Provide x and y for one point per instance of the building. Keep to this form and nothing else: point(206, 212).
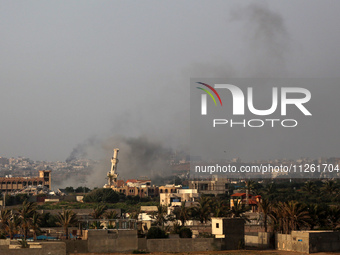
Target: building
point(229, 229)
point(179, 196)
point(132, 187)
point(241, 198)
point(11, 184)
point(214, 186)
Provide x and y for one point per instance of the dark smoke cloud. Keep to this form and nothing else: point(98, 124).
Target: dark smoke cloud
point(138, 157)
point(267, 40)
point(266, 43)
point(82, 149)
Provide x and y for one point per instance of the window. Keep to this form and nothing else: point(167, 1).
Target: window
point(217, 225)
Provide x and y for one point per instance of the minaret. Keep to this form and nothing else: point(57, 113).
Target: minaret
point(112, 175)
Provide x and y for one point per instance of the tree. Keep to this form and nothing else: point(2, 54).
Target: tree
point(265, 207)
point(182, 213)
point(220, 209)
point(333, 216)
point(102, 195)
point(25, 213)
point(238, 210)
point(330, 187)
point(250, 185)
point(309, 187)
point(98, 213)
point(111, 215)
point(134, 214)
point(290, 216)
point(202, 211)
point(13, 224)
point(82, 190)
point(298, 215)
point(36, 217)
point(4, 219)
point(69, 190)
point(317, 215)
point(160, 216)
point(65, 219)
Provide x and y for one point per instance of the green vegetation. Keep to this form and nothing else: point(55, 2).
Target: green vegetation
point(155, 233)
point(65, 219)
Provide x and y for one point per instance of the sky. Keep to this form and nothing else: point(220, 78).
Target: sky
point(76, 71)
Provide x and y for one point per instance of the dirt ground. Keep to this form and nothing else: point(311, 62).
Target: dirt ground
point(236, 252)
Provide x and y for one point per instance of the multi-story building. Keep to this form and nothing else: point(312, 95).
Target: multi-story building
point(214, 186)
point(19, 183)
point(176, 198)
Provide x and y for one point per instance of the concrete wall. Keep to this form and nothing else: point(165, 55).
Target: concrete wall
point(76, 246)
point(181, 245)
point(259, 239)
point(324, 242)
point(298, 243)
point(102, 241)
point(52, 248)
point(309, 241)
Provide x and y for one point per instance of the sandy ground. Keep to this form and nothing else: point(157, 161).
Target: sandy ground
point(236, 252)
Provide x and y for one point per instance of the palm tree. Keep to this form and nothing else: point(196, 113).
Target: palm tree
point(160, 216)
point(203, 210)
point(25, 213)
point(270, 189)
point(134, 214)
point(182, 213)
point(330, 187)
point(111, 215)
point(317, 215)
point(333, 216)
point(36, 219)
point(65, 219)
point(238, 210)
point(4, 219)
point(266, 208)
point(250, 185)
point(309, 187)
point(98, 213)
point(290, 216)
point(13, 224)
point(220, 209)
point(278, 216)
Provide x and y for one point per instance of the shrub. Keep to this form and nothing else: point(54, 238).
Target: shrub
point(102, 195)
point(155, 233)
point(185, 233)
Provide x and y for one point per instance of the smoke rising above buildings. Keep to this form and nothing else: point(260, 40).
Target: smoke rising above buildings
point(145, 136)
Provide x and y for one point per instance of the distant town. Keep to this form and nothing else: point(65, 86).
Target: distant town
point(139, 214)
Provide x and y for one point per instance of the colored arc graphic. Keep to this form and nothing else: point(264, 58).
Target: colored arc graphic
point(208, 92)
point(204, 84)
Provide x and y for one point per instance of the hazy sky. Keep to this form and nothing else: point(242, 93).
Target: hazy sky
point(73, 70)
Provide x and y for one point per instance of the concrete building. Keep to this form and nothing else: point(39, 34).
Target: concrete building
point(214, 186)
point(181, 195)
point(131, 187)
point(309, 241)
point(241, 198)
point(229, 229)
point(19, 183)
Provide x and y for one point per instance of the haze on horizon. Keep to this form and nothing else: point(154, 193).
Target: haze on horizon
point(74, 71)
